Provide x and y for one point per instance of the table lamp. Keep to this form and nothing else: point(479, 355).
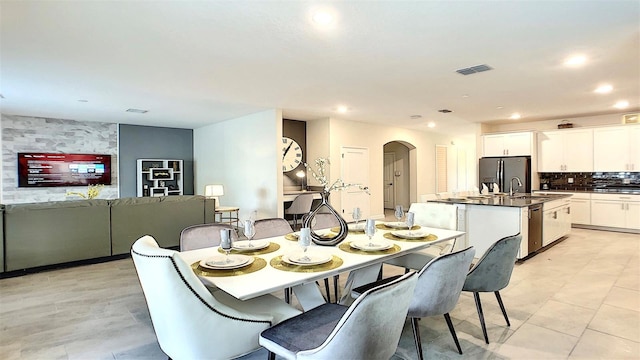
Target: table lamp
point(213, 191)
point(301, 175)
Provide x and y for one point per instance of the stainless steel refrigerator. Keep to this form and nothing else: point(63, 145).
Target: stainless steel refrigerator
point(501, 170)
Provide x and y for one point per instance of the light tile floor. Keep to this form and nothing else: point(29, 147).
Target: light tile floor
point(580, 299)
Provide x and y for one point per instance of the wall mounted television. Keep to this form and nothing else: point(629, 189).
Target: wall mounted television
point(54, 169)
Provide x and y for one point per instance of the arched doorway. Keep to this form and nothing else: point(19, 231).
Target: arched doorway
point(399, 174)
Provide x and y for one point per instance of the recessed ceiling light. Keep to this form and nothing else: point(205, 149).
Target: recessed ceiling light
point(342, 109)
point(322, 17)
point(622, 104)
point(500, 107)
point(137, 111)
point(576, 60)
point(431, 124)
point(515, 116)
point(603, 89)
point(465, 96)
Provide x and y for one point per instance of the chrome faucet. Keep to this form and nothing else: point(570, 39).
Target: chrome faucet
point(511, 192)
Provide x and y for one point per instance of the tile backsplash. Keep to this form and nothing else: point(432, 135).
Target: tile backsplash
point(590, 181)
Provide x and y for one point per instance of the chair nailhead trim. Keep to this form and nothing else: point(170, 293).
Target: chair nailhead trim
point(184, 281)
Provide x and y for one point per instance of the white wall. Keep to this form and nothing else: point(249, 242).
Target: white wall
point(373, 137)
point(243, 155)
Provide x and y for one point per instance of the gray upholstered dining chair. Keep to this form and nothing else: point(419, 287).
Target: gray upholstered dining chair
point(430, 214)
point(324, 221)
point(492, 273)
point(299, 206)
point(193, 322)
point(437, 291)
point(202, 236)
point(320, 221)
point(369, 328)
point(266, 228)
point(270, 227)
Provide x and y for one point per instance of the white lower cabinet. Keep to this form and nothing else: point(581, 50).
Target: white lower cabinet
point(556, 220)
point(581, 208)
point(615, 210)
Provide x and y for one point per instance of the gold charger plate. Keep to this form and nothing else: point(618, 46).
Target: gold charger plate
point(280, 264)
point(385, 227)
point(257, 264)
point(353, 231)
point(269, 249)
point(429, 237)
point(346, 247)
point(294, 236)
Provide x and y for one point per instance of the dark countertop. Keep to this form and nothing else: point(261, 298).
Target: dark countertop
point(518, 200)
point(628, 190)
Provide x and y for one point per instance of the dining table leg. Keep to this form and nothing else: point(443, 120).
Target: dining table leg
point(357, 278)
point(309, 296)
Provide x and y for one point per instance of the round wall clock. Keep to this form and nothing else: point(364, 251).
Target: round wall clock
point(291, 154)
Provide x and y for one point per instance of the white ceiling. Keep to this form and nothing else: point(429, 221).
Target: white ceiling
point(192, 63)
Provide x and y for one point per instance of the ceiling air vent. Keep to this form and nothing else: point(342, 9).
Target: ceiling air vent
point(445, 111)
point(474, 69)
point(137, 111)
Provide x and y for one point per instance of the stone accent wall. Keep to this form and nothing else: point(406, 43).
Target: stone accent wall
point(31, 134)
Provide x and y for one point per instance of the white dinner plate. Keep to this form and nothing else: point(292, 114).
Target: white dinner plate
point(396, 225)
point(354, 227)
point(255, 245)
point(314, 259)
point(220, 262)
point(410, 234)
point(366, 245)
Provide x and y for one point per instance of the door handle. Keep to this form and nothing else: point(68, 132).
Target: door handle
point(390, 184)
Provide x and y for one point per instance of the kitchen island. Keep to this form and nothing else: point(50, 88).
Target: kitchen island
point(541, 219)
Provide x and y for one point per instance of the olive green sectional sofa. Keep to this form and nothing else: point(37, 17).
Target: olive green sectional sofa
point(49, 233)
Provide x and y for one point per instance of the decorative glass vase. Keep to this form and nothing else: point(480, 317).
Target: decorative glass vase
point(323, 240)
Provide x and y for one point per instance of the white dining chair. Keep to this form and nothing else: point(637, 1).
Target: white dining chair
point(430, 214)
point(189, 320)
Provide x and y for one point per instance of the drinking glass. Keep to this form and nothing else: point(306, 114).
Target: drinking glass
point(249, 231)
point(370, 230)
point(357, 215)
point(226, 243)
point(304, 240)
point(399, 212)
point(409, 220)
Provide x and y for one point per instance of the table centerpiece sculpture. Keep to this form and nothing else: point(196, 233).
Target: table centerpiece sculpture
point(327, 187)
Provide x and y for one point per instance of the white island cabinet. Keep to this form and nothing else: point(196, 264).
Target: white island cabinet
point(488, 224)
point(556, 220)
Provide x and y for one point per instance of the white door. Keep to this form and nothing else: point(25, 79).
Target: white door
point(389, 187)
point(355, 170)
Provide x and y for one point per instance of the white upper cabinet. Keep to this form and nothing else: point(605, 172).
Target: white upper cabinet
point(565, 151)
point(512, 144)
point(616, 148)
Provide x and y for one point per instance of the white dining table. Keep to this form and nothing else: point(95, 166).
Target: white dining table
point(362, 268)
